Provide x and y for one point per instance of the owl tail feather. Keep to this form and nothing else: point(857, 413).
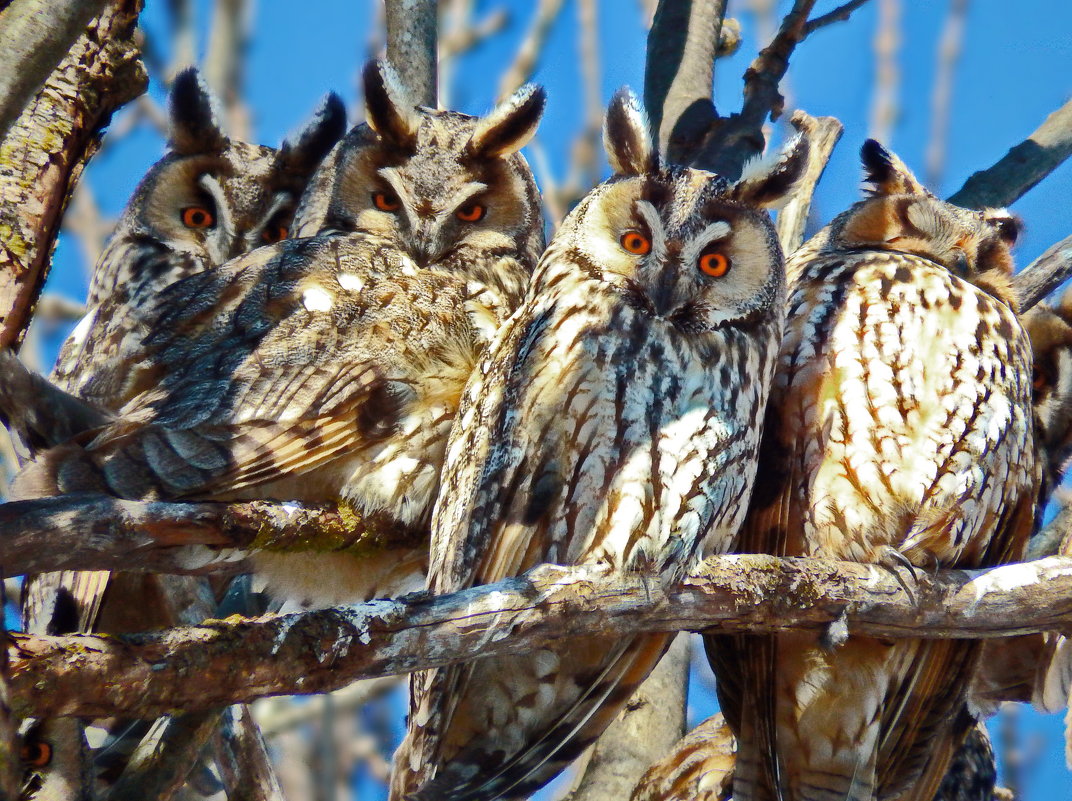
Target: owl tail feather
point(38, 414)
point(559, 742)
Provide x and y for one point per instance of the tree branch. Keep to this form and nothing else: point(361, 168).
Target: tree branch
point(679, 74)
point(224, 662)
point(44, 151)
point(1022, 167)
point(34, 36)
point(411, 47)
point(99, 532)
point(1044, 274)
point(839, 14)
point(823, 134)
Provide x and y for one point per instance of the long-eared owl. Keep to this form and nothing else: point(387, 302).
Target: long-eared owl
point(209, 199)
point(615, 421)
point(330, 367)
point(899, 432)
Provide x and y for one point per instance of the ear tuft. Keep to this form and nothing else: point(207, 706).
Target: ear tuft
point(388, 108)
point(194, 117)
point(886, 173)
point(1007, 225)
point(511, 124)
point(627, 136)
point(304, 150)
point(768, 181)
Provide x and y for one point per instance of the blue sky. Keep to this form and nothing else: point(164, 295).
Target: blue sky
point(1014, 70)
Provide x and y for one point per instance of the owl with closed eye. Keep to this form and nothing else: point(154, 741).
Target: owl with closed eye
point(900, 433)
point(614, 422)
point(329, 367)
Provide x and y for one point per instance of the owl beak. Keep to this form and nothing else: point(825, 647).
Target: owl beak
point(427, 248)
point(663, 295)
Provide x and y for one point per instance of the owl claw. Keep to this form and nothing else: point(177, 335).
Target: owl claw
point(891, 559)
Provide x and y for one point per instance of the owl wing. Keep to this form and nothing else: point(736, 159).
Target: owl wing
point(264, 369)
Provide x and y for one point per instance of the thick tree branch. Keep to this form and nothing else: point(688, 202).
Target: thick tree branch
point(680, 71)
point(224, 662)
point(1044, 274)
point(99, 532)
point(44, 151)
point(1022, 167)
point(34, 36)
point(411, 46)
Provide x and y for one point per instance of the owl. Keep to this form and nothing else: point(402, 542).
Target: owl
point(329, 368)
point(209, 199)
point(899, 432)
point(614, 421)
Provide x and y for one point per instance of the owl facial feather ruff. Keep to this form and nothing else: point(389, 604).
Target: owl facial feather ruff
point(613, 421)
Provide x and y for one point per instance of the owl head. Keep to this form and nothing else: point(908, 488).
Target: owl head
point(211, 198)
point(1050, 331)
point(449, 190)
point(900, 215)
point(681, 244)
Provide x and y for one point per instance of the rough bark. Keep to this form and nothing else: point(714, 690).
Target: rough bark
point(245, 768)
point(45, 150)
point(411, 47)
point(223, 662)
point(34, 36)
point(99, 532)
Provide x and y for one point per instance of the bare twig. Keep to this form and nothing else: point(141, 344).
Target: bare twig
point(411, 46)
point(823, 134)
point(1022, 167)
point(98, 532)
point(887, 42)
point(225, 62)
point(35, 35)
point(224, 662)
point(532, 46)
point(43, 154)
point(839, 14)
point(949, 47)
point(1044, 274)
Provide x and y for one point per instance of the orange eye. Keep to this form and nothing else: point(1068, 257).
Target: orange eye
point(385, 202)
point(474, 212)
point(714, 264)
point(635, 242)
point(274, 233)
point(1038, 380)
point(198, 217)
point(36, 755)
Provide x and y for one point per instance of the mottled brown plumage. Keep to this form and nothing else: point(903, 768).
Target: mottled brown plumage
point(900, 431)
point(246, 195)
point(330, 367)
point(699, 768)
point(613, 422)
